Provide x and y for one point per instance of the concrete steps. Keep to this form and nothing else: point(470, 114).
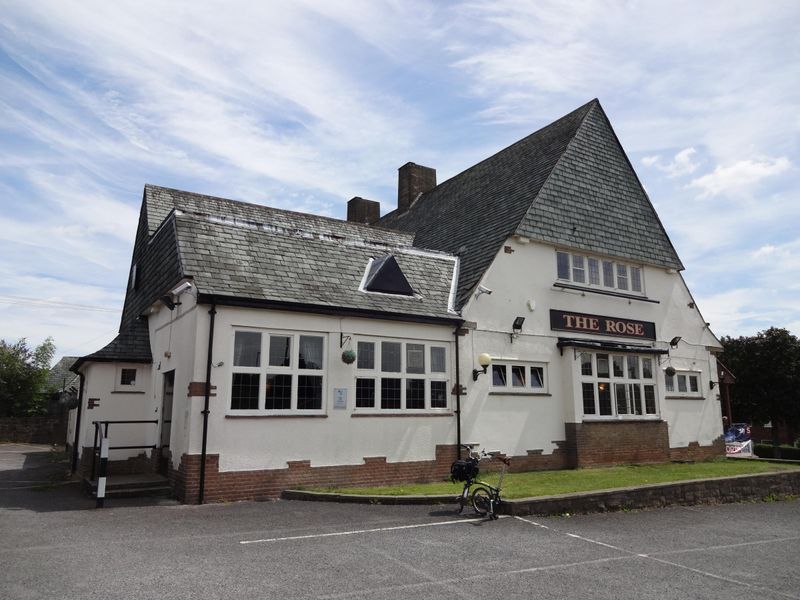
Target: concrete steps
point(132, 486)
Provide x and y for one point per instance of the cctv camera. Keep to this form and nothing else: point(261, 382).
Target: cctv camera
point(482, 290)
point(182, 288)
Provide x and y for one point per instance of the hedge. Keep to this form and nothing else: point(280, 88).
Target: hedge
point(767, 451)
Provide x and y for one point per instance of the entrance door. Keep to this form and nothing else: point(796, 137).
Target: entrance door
point(166, 421)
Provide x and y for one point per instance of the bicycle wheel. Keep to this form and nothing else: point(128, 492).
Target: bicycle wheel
point(482, 501)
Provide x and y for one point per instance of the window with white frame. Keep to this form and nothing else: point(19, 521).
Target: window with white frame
point(591, 271)
point(401, 376)
point(519, 377)
point(683, 383)
point(617, 385)
point(277, 372)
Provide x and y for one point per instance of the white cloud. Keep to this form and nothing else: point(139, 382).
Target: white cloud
point(731, 179)
point(681, 164)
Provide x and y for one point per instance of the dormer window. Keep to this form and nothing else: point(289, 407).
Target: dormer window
point(385, 276)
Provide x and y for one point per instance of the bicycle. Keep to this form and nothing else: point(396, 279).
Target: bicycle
point(485, 498)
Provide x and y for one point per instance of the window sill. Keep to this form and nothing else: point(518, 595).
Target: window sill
point(356, 415)
point(291, 416)
point(624, 419)
point(580, 288)
point(683, 397)
point(499, 393)
point(128, 392)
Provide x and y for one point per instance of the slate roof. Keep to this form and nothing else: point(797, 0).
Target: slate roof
point(257, 261)
point(571, 174)
point(132, 344)
point(60, 377)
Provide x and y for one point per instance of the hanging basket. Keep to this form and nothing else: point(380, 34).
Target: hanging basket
point(348, 357)
point(669, 371)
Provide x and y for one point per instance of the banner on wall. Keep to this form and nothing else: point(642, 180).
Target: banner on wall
point(744, 449)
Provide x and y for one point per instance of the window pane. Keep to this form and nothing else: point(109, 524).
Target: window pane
point(588, 398)
point(650, 399)
point(127, 377)
point(681, 383)
point(562, 262)
point(608, 273)
point(499, 375)
point(669, 383)
point(586, 363)
point(390, 392)
point(390, 357)
point(366, 355)
point(438, 394)
point(280, 348)
point(602, 365)
point(310, 352)
point(637, 398)
point(247, 349)
point(621, 391)
point(518, 375)
point(619, 370)
point(365, 393)
point(604, 397)
point(636, 279)
point(647, 368)
point(244, 391)
point(415, 393)
point(438, 359)
point(633, 366)
point(537, 378)
point(594, 271)
point(309, 392)
point(622, 276)
point(279, 392)
point(578, 271)
point(693, 386)
point(415, 358)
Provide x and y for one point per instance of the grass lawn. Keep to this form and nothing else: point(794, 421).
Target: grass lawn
point(548, 483)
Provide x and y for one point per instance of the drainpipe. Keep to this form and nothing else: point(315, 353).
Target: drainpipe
point(212, 313)
point(78, 424)
point(458, 396)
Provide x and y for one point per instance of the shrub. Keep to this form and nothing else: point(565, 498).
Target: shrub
point(767, 451)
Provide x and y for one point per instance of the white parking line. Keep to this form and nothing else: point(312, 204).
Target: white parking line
point(654, 556)
point(359, 531)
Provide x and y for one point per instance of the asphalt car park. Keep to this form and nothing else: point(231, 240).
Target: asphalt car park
point(56, 546)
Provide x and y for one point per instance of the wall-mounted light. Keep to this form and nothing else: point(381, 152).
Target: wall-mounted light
point(675, 341)
point(484, 360)
point(690, 305)
point(167, 301)
point(711, 384)
point(516, 327)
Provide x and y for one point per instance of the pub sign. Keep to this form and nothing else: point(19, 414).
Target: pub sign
point(601, 325)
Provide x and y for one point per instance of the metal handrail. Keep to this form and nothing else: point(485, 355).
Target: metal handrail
point(98, 425)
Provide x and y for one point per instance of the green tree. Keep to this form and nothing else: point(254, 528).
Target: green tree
point(23, 377)
point(767, 370)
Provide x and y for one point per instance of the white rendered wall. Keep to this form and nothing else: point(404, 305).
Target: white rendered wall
point(522, 285)
point(101, 382)
point(337, 438)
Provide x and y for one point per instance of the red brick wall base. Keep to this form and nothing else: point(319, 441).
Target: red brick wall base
point(618, 442)
point(695, 452)
point(141, 463)
point(226, 486)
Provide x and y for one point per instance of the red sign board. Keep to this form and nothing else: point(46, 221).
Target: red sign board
point(601, 325)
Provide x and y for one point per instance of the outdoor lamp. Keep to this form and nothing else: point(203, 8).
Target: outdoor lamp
point(516, 327)
point(675, 341)
point(484, 360)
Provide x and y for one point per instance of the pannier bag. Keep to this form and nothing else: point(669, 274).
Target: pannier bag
point(463, 470)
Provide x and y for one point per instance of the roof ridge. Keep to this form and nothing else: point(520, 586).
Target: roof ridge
point(272, 208)
point(519, 142)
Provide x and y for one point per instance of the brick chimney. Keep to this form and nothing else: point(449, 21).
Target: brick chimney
point(413, 180)
point(361, 210)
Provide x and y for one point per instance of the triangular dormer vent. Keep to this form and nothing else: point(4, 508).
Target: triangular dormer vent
point(386, 276)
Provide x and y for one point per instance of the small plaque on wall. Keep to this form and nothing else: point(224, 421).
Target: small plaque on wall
point(340, 398)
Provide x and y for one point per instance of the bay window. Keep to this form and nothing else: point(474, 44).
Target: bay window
point(617, 385)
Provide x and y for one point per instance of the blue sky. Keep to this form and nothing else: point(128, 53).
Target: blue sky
point(304, 105)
